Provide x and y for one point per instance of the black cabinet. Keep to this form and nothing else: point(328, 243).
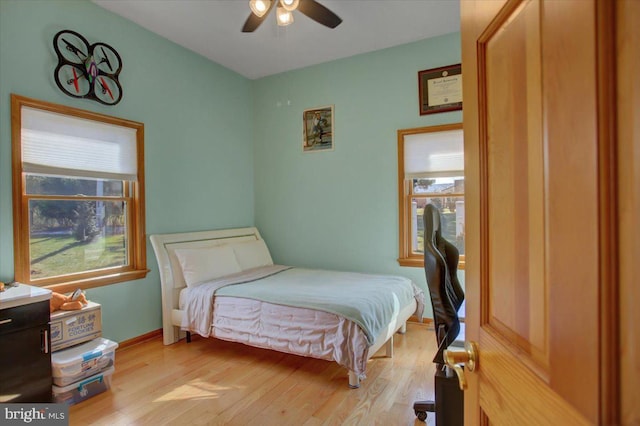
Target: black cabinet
point(25, 356)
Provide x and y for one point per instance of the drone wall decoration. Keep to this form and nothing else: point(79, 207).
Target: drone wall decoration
point(87, 71)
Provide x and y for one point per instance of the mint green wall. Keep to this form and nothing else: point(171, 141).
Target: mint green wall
point(339, 209)
point(198, 144)
point(218, 144)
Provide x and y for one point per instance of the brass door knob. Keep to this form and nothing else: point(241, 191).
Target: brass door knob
point(456, 358)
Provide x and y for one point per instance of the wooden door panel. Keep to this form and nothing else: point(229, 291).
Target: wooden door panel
point(628, 40)
point(573, 201)
point(515, 181)
point(528, 400)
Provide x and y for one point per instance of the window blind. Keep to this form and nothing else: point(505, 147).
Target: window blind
point(431, 155)
point(62, 145)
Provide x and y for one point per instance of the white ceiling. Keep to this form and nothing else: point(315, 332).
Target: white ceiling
point(212, 28)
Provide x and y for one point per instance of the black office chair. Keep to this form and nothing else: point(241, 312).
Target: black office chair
point(441, 268)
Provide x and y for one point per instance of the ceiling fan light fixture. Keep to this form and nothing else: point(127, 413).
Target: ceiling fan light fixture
point(290, 5)
point(284, 16)
point(259, 7)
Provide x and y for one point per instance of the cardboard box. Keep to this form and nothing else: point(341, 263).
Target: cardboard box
point(69, 328)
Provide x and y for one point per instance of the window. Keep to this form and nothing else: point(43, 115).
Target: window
point(430, 170)
point(78, 196)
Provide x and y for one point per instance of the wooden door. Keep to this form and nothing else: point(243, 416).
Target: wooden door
point(540, 200)
point(627, 54)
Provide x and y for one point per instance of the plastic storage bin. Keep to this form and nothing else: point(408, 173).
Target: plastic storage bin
point(78, 362)
point(78, 392)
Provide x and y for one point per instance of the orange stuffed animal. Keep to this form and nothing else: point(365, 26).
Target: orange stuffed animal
point(75, 301)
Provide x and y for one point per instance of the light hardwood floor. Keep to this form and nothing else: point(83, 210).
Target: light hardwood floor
point(213, 382)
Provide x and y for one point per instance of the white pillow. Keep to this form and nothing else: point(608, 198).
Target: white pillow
point(252, 254)
point(204, 264)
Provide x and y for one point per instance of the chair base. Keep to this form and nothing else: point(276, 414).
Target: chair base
point(449, 403)
point(421, 408)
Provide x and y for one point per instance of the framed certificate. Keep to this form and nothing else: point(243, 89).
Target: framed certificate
point(440, 89)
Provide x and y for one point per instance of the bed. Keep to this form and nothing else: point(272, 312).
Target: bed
point(224, 284)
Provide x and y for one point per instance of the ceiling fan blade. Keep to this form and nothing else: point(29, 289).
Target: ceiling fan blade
point(254, 21)
point(319, 13)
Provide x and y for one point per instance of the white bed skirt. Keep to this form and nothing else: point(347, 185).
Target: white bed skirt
point(301, 331)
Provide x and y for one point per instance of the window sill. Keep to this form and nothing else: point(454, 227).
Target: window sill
point(418, 262)
point(411, 262)
point(97, 281)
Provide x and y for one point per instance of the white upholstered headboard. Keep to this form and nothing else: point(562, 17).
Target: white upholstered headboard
point(171, 279)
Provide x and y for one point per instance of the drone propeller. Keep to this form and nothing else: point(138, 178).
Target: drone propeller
point(74, 49)
point(74, 80)
point(105, 59)
point(254, 21)
point(319, 13)
point(105, 88)
point(311, 8)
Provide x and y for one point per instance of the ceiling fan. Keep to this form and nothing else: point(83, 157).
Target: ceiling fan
point(314, 10)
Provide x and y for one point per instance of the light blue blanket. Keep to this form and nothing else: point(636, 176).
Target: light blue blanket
point(371, 301)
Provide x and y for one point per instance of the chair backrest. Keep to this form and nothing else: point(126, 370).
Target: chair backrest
point(441, 269)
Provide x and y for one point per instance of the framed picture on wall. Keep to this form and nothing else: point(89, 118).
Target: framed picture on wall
point(440, 89)
point(317, 125)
